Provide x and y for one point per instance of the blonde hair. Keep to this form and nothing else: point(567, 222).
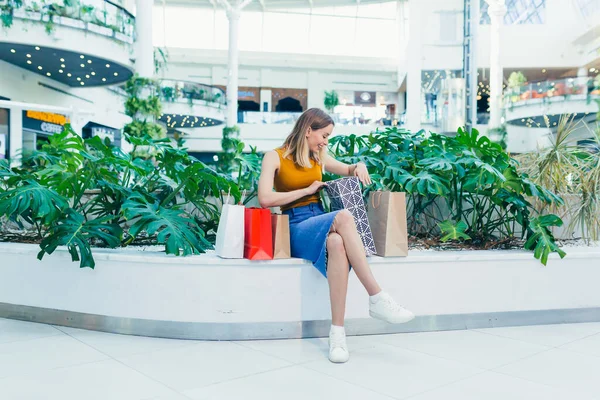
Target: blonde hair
point(295, 144)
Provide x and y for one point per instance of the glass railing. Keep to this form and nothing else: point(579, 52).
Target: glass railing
point(182, 91)
point(99, 16)
point(275, 117)
point(583, 86)
point(259, 117)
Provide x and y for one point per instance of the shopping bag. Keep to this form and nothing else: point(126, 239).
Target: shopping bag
point(387, 218)
point(230, 232)
point(345, 193)
point(280, 224)
point(258, 241)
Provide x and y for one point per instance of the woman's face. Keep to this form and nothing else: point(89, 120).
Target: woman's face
point(317, 139)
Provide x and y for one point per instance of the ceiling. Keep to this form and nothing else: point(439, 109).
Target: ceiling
point(67, 67)
point(259, 5)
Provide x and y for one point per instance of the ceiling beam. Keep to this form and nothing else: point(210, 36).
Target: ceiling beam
point(225, 4)
point(244, 4)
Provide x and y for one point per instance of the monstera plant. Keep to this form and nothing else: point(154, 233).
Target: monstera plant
point(463, 188)
point(82, 193)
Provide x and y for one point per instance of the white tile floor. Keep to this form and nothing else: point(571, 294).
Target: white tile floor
point(554, 362)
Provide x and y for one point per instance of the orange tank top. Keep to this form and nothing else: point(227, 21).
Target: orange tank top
point(291, 176)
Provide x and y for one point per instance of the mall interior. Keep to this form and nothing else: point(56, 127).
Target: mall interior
point(389, 63)
point(141, 326)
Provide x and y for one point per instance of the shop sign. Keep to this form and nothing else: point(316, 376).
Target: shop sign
point(43, 122)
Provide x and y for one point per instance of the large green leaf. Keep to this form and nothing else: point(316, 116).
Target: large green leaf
point(541, 240)
point(175, 228)
point(76, 233)
point(31, 201)
point(453, 231)
point(426, 183)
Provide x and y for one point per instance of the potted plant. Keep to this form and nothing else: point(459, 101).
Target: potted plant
point(515, 80)
point(331, 100)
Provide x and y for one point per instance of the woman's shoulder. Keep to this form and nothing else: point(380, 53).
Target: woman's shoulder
point(272, 156)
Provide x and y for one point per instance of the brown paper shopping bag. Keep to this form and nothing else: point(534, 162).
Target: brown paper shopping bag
point(387, 217)
point(281, 236)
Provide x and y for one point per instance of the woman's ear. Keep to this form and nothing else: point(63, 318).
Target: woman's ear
point(308, 131)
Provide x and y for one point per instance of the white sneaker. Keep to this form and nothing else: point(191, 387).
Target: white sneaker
point(338, 350)
point(386, 309)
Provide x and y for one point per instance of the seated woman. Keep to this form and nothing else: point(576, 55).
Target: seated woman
point(329, 240)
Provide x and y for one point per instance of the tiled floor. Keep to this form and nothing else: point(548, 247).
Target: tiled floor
point(42, 362)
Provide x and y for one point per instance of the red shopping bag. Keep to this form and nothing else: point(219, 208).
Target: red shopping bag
point(258, 235)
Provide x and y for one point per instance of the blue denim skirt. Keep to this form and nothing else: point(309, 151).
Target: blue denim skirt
point(309, 228)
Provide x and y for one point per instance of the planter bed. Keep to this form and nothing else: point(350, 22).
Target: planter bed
point(142, 291)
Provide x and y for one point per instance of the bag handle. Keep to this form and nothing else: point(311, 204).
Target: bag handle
point(380, 193)
point(242, 198)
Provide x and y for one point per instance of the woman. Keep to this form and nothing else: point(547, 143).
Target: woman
point(329, 240)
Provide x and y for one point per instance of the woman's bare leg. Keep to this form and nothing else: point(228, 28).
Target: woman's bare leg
point(337, 276)
point(345, 226)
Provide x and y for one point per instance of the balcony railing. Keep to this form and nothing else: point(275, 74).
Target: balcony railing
point(267, 117)
point(182, 91)
point(99, 16)
point(581, 86)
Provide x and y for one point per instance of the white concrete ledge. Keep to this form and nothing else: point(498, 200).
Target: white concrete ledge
point(205, 297)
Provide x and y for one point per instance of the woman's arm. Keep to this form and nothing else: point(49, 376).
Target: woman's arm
point(339, 168)
point(266, 196)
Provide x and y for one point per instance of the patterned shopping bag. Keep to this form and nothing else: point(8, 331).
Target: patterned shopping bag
point(345, 193)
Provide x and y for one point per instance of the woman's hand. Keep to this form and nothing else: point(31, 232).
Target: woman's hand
point(315, 187)
point(362, 173)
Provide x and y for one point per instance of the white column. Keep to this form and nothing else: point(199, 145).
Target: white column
point(413, 67)
point(16, 135)
point(496, 11)
point(144, 62)
point(233, 15)
point(401, 22)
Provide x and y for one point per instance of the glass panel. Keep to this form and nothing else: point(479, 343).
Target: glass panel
point(518, 12)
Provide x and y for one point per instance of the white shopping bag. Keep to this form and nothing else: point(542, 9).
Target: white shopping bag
point(230, 233)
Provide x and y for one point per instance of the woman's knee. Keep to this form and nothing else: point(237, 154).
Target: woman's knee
point(335, 244)
point(343, 220)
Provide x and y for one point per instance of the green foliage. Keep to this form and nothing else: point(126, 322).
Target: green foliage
point(229, 145)
point(150, 106)
point(466, 178)
point(144, 107)
point(76, 233)
point(70, 9)
point(454, 231)
point(84, 193)
point(571, 171)
point(516, 79)
point(331, 100)
point(540, 238)
point(161, 57)
point(6, 12)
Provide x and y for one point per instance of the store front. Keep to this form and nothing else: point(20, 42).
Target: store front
point(93, 129)
point(38, 126)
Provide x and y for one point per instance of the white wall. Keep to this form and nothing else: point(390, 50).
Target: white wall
point(548, 45)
